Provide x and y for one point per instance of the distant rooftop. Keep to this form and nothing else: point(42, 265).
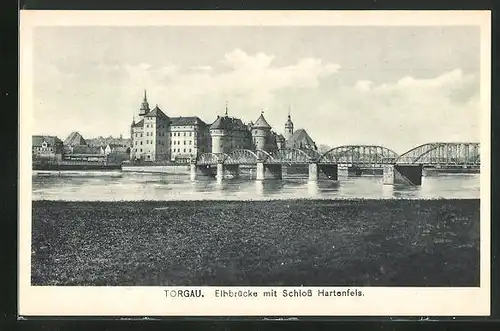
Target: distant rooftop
point(75, 138)
point(50, 140)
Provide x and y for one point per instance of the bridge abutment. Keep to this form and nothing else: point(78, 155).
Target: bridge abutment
point(408, 174)
point(268, 171)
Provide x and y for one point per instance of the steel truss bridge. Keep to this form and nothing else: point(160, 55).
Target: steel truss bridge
point(441, 154)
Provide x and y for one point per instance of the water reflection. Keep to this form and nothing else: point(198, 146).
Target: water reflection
point(138, 186)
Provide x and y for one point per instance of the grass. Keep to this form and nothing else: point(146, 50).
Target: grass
point(287, 242)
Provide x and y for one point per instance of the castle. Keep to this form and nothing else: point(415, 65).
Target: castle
point(158, 137)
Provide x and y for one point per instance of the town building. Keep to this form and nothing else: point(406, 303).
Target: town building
point(47, 147)
point(300, 139)
point(157, 137)
point(105, 141)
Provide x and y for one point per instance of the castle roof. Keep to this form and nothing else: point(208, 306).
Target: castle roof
point(156, 112)
point(75, 138)
point(138, 124)
point(185, 121)
point(300, 138)
point(261, 123)
point(50, 140)
point(228, 123)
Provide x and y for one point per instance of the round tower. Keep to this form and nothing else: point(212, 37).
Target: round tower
point(218, 133)
point(144, 106)
point(288, 127)
point(260, 132)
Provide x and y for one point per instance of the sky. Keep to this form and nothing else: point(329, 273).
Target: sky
point(393, 86)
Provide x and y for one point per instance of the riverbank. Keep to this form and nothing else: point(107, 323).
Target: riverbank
point(286, 242)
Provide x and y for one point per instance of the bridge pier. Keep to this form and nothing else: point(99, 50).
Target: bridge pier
point(408, 174)
point(196, 170)
point(268, 171)
point(322, 171)
point(227, 170)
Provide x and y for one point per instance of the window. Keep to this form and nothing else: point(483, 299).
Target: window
point(184, 150)
point(184, 134)
point(190, 142)
point(184, 142)
point(190, 134)
point(141, 150)
point(141, 144)
point(190, 150)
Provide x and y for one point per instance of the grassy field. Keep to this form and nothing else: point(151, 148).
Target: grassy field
point(288, 242)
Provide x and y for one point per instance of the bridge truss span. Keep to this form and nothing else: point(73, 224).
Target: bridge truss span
point(293, 156)
point(211, 158)
point(443, 154)
point(246, 157)
point(358, 155)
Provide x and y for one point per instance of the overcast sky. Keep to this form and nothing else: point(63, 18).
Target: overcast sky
point(394, 86)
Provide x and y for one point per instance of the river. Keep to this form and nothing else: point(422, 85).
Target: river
point(130, 186)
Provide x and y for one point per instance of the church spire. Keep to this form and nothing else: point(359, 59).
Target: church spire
point(144, 106)
point(226, 108)
point(289, 125)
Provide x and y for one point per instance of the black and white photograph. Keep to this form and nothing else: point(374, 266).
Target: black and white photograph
point(328, 158)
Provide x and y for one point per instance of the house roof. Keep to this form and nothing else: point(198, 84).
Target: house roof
point(75, 138)
point(185, 121)
point(156, 112)
point(300, 137)
point(261, 123)
point(50, 140)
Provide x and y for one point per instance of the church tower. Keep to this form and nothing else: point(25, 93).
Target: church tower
point(144, 106)
point(288, 127)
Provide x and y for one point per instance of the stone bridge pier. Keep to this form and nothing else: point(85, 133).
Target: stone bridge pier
point(200, 170)
point(227, 170)
point(268, 171)
point(407, 174)
point(318, 171)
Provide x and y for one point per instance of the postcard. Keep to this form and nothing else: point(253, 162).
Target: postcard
point(254, 163)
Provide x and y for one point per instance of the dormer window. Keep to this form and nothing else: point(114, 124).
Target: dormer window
point(44, 144)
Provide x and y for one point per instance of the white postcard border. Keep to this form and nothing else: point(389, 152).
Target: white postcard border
point(152, 301)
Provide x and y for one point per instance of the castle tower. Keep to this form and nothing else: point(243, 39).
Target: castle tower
point(218, 134)
point(144, 106)
point(260, 132)
point(288, 127)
